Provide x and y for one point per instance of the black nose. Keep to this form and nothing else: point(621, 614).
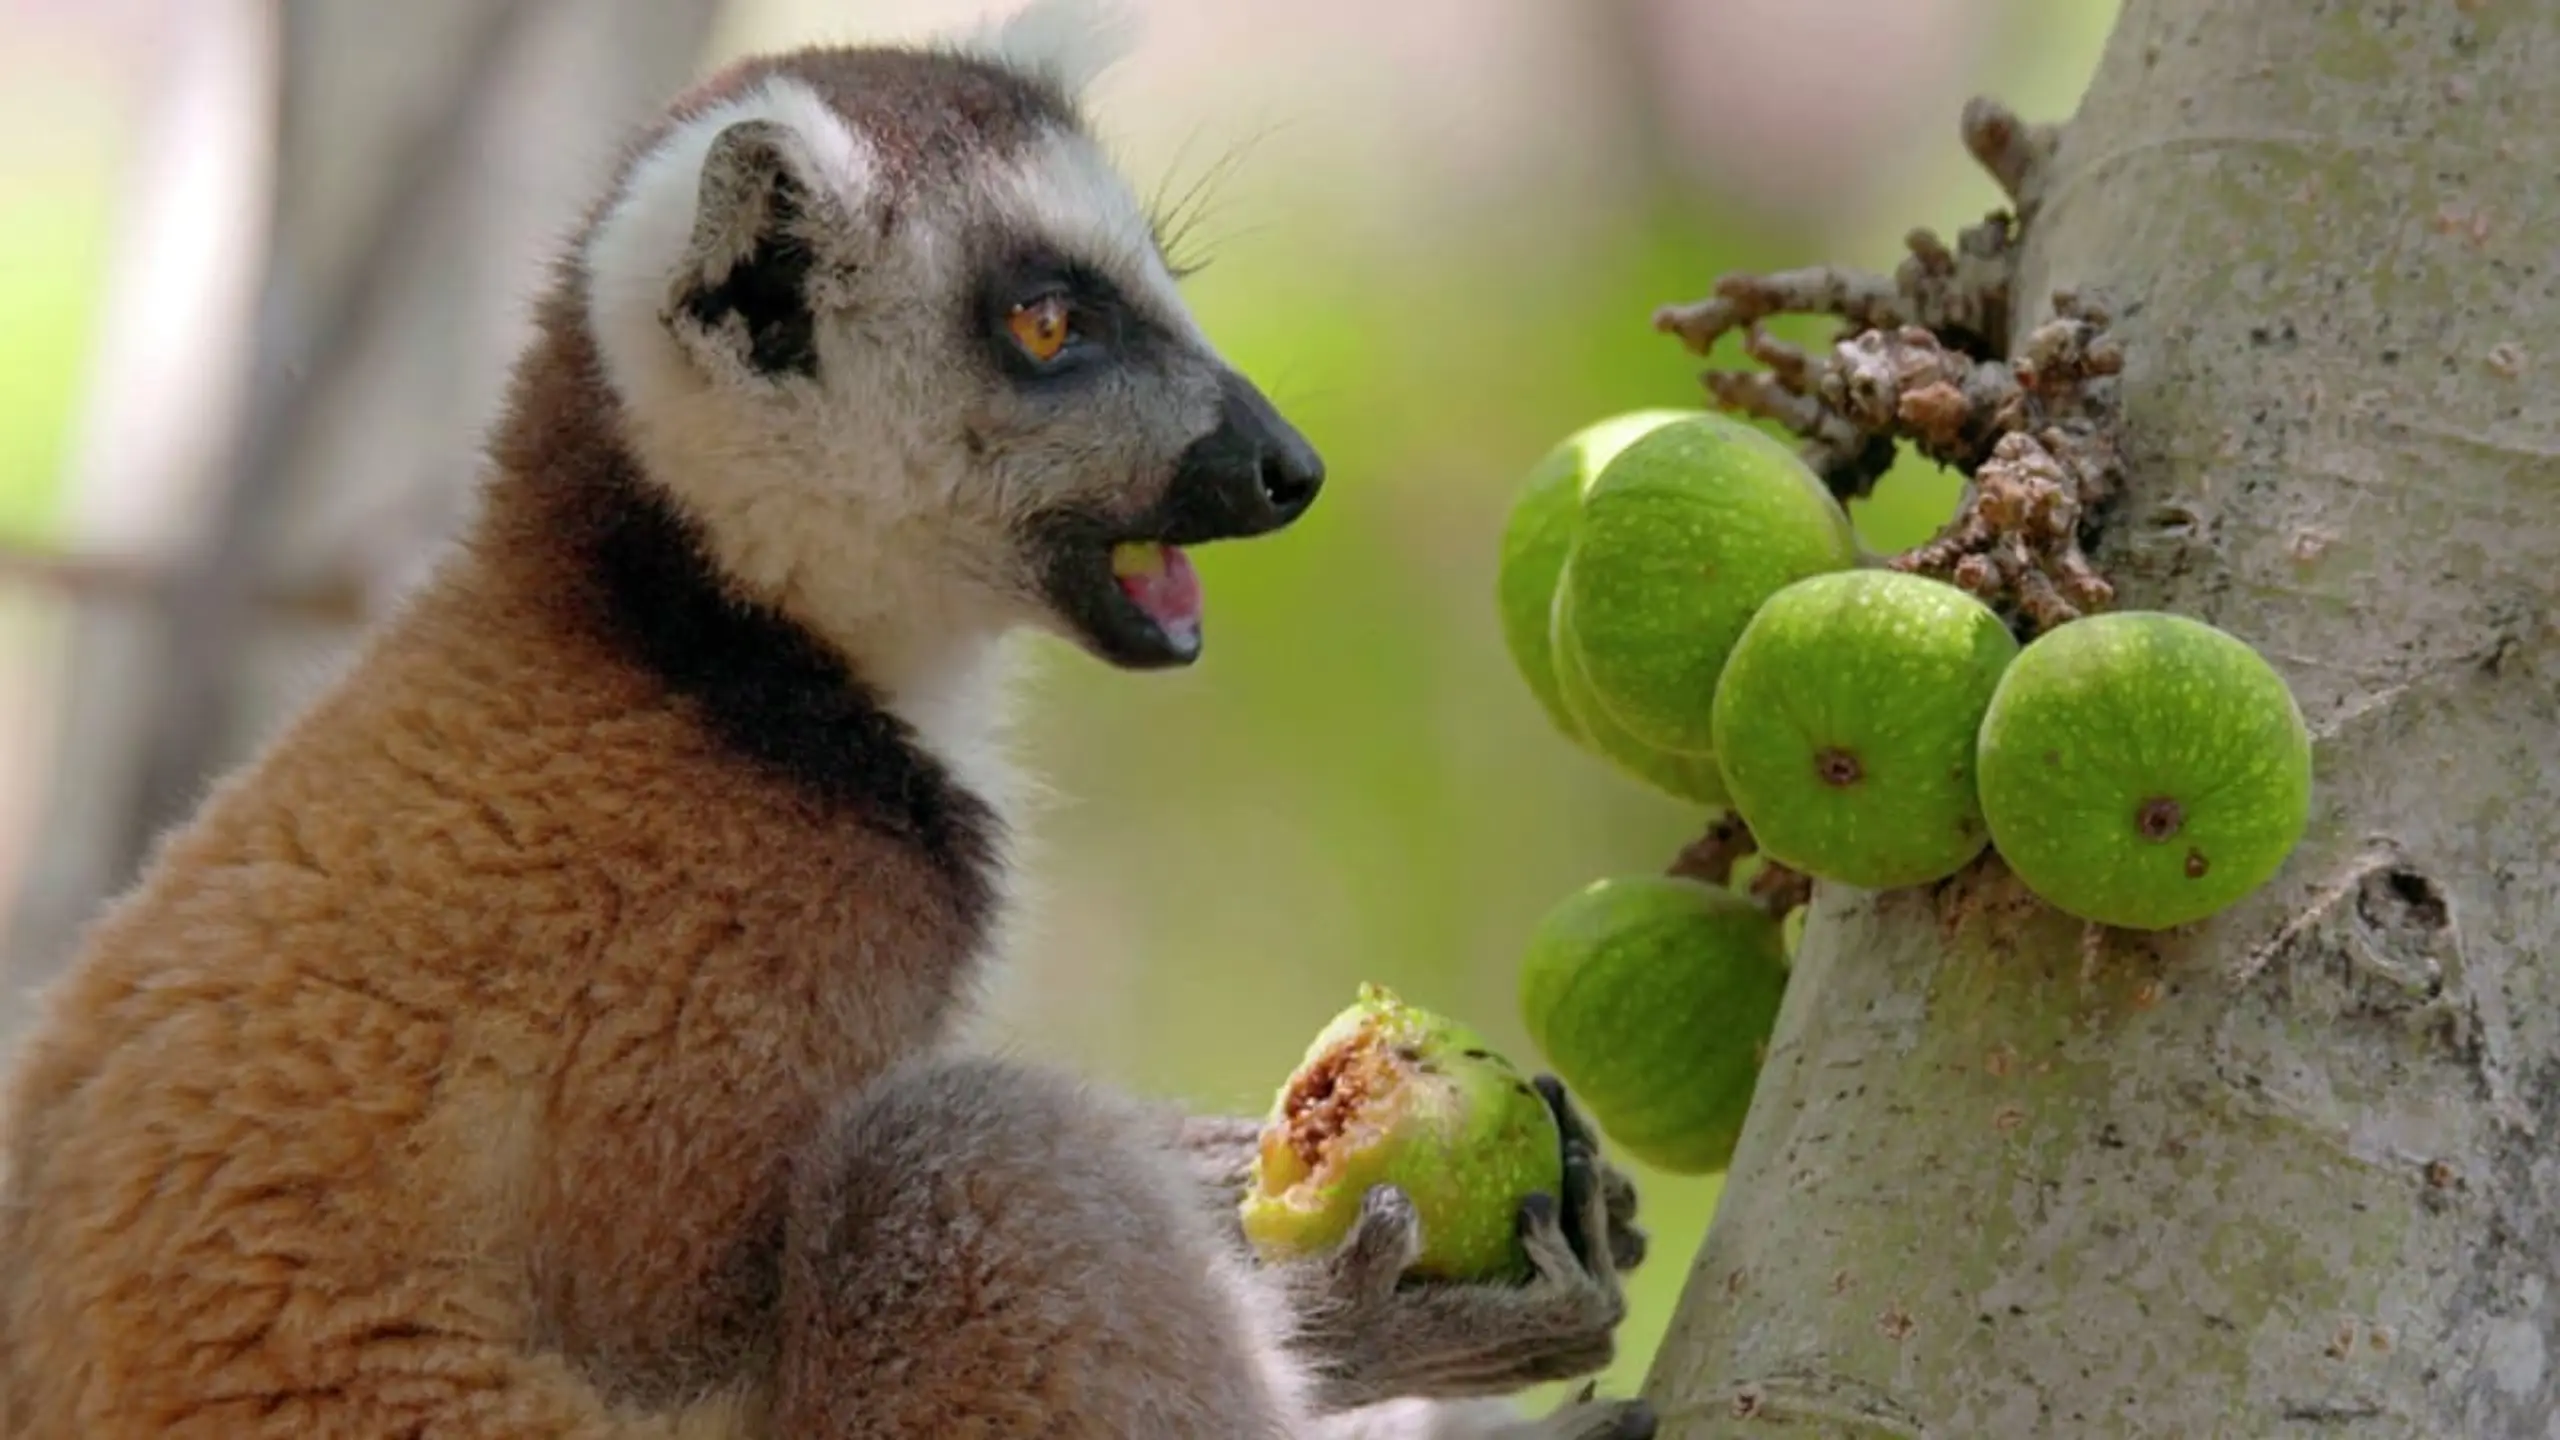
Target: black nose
point(1288, 468)
point(1252, 474)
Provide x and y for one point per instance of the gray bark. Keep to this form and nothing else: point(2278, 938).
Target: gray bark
point(2295, 1171)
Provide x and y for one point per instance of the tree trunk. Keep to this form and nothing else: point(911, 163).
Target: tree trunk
point(2295, 1170)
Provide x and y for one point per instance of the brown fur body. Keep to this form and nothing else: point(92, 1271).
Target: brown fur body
point(494, 992)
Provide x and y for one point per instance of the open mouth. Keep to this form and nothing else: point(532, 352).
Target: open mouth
point(1161, 590)
point(1127, 588)
point(1136, 602)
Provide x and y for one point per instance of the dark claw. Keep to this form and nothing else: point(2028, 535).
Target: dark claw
point(1569, 1117)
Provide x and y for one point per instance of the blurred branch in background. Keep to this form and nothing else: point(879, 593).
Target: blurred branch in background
point(159, 401)
point(311, 325)
point(397, 233)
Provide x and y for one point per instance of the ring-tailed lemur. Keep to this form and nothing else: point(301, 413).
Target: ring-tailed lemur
point(544, 1035)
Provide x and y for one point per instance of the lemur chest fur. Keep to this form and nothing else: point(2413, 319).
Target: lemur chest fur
point(801, 905)
point(639, 894)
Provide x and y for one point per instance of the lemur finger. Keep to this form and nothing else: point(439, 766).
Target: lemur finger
point(1621, 1191)
point(1586, 1215)
point(1612, 1208)
point(1551, 1252)
point(1568, 1115)
point(1383, 1243)
point(1628, 1242)
point(1612, 1420)
point(1628, 1246)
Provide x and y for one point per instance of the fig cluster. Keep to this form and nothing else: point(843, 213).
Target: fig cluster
point(1711, 627)
point(1687, 601)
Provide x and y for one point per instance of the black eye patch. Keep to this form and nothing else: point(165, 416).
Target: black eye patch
point(1106, 327)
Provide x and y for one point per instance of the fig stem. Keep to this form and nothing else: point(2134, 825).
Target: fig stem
point(1781, 889)
point(1711, 857)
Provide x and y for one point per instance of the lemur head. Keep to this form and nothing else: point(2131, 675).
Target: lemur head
point(898, 339)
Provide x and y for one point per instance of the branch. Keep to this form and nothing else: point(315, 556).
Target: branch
point(209, 601)
point(2053, 459)
point(1923, 359)
point(337, 598)
point(1711, 857)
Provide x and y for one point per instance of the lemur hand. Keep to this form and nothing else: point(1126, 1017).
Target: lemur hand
point(1370, 1332)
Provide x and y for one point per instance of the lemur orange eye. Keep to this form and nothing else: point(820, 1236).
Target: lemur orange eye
point(1041, 328)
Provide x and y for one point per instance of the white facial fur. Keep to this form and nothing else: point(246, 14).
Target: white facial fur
point(881, 500)
point(768, 470)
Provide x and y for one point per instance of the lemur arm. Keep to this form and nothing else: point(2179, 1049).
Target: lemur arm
point(1368, 1331)
point(982, 1248)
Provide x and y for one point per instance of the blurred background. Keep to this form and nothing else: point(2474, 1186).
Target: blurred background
point(262, 266)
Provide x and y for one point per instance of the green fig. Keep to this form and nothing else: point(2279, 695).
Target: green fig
point(1390, 1093)
point(1651, 997)
point(1686, 775)
point(1685, 533)
point(1845, 725)
point(1538, 535)
point(2143, 770)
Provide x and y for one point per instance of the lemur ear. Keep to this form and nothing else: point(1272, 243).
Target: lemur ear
point(761, 225)
point(1069, 43)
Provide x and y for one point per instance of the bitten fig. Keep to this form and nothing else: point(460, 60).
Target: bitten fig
point(1845, 725)
point(1389, 1093)
point(2143, 770)
point(1651, 996)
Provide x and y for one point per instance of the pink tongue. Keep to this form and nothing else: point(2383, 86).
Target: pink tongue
point(1172, 598)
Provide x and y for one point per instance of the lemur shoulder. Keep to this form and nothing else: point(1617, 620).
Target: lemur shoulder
point(546, 1033)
